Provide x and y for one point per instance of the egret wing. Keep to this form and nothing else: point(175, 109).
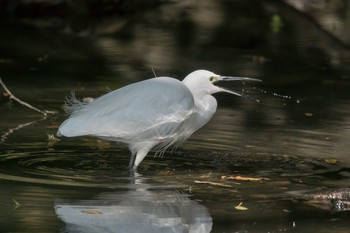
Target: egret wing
point(153, 109)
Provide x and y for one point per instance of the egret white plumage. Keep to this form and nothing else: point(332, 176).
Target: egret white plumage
point(157, 112)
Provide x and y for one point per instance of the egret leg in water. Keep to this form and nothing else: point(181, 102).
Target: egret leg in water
point(154, 113)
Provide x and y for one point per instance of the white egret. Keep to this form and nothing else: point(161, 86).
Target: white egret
point(157, 112)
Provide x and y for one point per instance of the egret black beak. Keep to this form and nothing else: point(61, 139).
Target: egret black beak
point(228, 78)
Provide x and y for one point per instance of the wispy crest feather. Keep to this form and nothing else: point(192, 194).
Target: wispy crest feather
point(73, 105)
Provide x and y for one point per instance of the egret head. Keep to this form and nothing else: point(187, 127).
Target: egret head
point(203, 81)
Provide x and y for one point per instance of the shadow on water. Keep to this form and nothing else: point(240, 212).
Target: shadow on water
point(278, 165)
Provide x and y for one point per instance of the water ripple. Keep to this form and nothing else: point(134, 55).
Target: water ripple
point(68, 168)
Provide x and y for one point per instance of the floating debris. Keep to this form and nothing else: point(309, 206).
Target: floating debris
point(331, 161)
point(241, 178)
point(17, 204)
point(213, 183)
point(52, 140)
point(241, 207)
point(94, 212)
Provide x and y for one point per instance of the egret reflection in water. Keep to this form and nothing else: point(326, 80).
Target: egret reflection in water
point(139, 210)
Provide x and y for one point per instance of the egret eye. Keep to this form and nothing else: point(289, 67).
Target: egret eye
point(212, 79)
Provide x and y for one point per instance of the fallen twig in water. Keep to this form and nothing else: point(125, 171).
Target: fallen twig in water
point(240, 206)
point(13, 97)
point(213, 183)
point(20, 126)
point(241, 178)
point(17, 204)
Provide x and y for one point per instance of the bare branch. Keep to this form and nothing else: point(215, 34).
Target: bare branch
point(12, 96)
point(18, 127)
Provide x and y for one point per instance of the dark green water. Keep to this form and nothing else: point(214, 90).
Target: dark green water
point(295, 137)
